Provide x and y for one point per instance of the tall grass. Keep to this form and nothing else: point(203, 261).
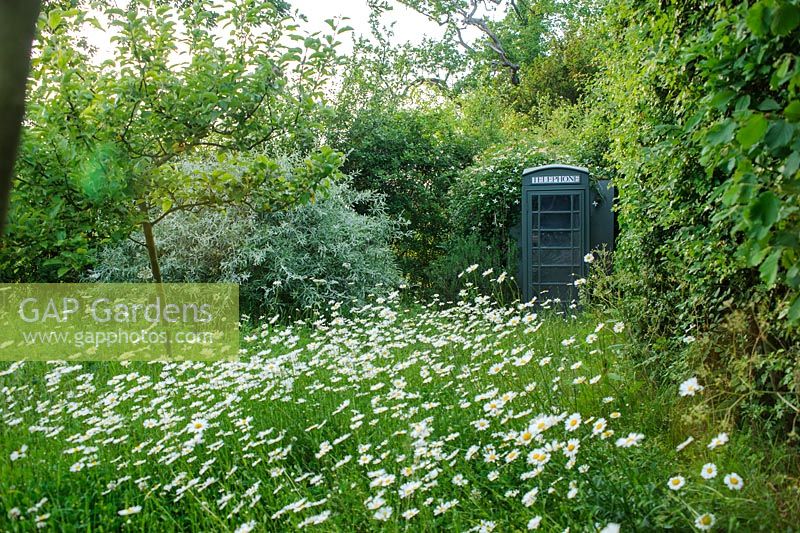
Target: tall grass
point(374, 421)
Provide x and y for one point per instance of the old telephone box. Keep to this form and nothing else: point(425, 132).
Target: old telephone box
point(564, 216)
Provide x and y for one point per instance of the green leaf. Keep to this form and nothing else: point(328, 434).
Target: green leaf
point(166, 204)
point(792, 111)
point(782, 72)
point(785, 19)
point(769, 268)
point(721, 133)
point(752, 131)
point(791, 164)
point(764, 210)
point(754, 255)
point(793, 276)
point(694, 120)
point(768, 104)
point(94, 22)
point(721, 98)
point(779, 134)
point(731, 193)
point(742, 103)
point(794, 310)
point(62, 271)
point(755, 19)
point(53, 20)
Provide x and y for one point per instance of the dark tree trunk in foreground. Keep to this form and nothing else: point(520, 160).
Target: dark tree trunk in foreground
point(17, 26)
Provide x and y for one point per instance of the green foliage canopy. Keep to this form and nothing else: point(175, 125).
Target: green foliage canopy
point(105, 143)
point(413, 158)
point(700, 106)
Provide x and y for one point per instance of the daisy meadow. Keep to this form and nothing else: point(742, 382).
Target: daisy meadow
point(389, 413)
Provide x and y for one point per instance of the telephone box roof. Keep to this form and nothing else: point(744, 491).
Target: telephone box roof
point(552, 167)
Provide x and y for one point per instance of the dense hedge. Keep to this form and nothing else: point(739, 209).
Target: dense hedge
point(485, 200)
point(701, 103)
point(412, 157)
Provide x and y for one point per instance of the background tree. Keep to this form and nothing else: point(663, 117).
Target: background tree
point(512, 32)
point(411, 156)
point(115, 137)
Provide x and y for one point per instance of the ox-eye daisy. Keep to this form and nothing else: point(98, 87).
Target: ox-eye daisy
point(709, 471)
point(130, 510)
point(676, 483)
point(705, 521)
point(733, 481)
point(718, 441)
point(633, 439)
point(690, 387)
point(534, 522)
point(573, 422)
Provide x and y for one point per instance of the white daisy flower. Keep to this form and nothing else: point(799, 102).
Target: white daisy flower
point(534, 522)
point(676, 483)
point(690, 387)
point(573, 422)
point(705, 521)
point(709, 471)
point(130, 510)
point(733, 481)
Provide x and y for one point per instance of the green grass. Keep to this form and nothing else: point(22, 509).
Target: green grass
point(398, 388)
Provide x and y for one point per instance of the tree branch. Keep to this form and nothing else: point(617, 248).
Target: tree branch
point(496, 46)
point(182, 207)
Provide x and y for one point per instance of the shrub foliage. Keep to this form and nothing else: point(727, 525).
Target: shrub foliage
point(298, 260)
point(703, 103)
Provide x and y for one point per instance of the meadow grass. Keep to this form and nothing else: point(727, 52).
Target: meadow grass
point(398, 416)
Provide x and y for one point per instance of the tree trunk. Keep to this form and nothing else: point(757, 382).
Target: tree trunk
point(152, 251)
point(17, 26)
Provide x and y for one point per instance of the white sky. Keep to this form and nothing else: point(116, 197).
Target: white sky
point(409, 26)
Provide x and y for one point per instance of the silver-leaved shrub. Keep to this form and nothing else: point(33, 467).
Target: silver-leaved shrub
point(334, 249)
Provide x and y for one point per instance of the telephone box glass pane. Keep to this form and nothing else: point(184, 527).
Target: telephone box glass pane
point(555, 202)
point(556, 220)
point(556, 257)
point(554, 274)
point(551, 239)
